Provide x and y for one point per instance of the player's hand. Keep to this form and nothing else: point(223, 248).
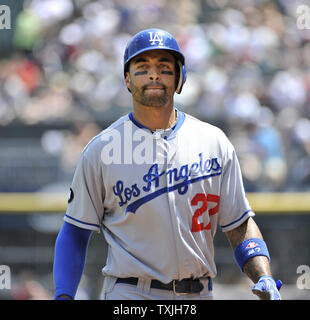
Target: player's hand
point(267, 289)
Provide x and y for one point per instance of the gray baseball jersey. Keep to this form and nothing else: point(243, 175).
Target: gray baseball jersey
point(159, 196)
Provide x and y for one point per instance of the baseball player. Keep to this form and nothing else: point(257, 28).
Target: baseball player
point(158, 182)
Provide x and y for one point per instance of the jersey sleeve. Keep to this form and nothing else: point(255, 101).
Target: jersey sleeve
point(234, 207)
point(85, 205)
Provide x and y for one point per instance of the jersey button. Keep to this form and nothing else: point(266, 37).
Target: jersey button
point(157, 135)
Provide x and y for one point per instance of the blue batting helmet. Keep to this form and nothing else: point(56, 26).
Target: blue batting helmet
point(153, 39)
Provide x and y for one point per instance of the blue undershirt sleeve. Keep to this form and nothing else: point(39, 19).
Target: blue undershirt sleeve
point(69, 259)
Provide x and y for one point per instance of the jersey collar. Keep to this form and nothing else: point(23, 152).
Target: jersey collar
point(175, 128)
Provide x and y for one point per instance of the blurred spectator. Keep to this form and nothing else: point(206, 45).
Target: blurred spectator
point(28, 30)
point(28, 287)
point(75, 143)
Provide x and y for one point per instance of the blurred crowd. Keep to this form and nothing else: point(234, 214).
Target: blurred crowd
point(248, 67)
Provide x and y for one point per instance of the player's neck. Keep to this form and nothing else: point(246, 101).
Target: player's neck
point(155, 118)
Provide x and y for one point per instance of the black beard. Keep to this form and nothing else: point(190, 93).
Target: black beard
point(149, 100)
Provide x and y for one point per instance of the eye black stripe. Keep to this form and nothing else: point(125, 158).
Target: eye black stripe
point(167, 72)
point(140, 73)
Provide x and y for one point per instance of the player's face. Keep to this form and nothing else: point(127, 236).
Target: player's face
point(151, 78)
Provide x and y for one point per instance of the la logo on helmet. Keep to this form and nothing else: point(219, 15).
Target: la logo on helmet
point(155, 38)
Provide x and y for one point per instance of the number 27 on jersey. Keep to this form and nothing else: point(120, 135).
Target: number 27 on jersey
point(204, 200)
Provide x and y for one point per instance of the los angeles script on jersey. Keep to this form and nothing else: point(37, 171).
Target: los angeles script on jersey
point(178, 179)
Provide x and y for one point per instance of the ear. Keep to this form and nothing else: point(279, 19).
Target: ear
point(127, 80)
point(180, 80)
